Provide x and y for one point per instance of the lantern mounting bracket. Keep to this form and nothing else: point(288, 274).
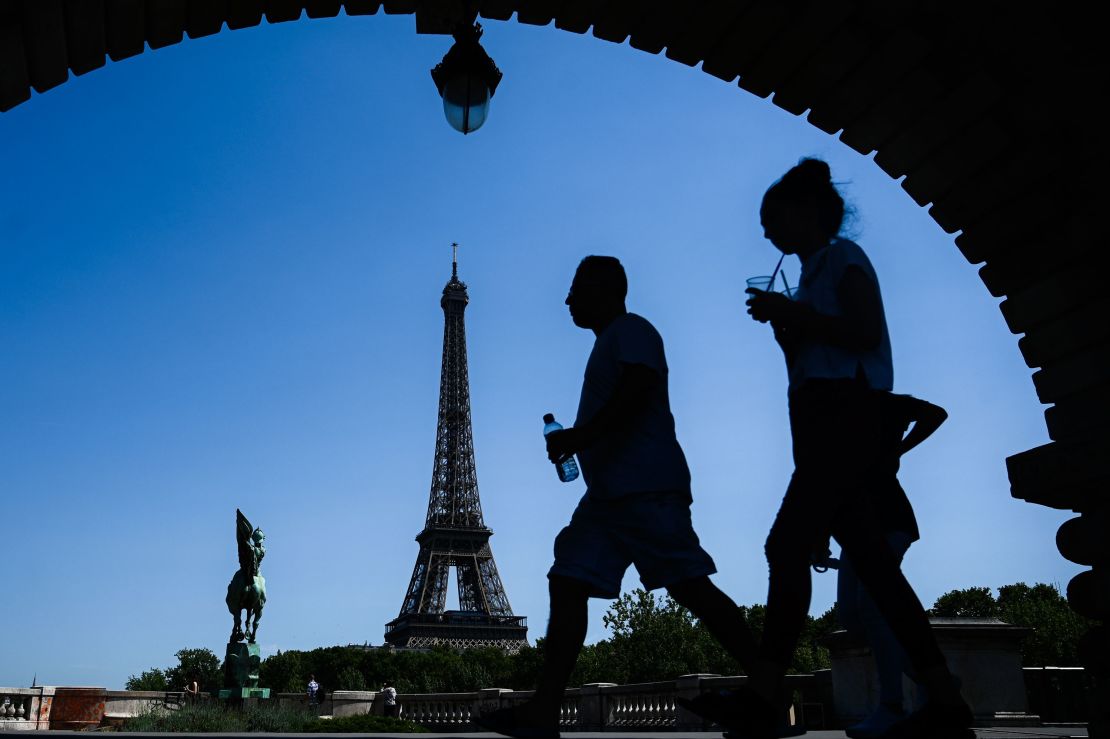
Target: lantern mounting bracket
point(445, 17)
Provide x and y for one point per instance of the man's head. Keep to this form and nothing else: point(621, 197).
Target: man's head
point(597, 293)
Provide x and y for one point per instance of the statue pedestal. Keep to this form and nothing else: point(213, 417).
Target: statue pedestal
point(241, 665)
point(984, 653)
point(237, 694)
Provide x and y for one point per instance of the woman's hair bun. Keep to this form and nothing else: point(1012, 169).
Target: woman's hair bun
point(813, 171)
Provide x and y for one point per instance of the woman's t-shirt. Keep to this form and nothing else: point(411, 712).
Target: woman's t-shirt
point(821, 275)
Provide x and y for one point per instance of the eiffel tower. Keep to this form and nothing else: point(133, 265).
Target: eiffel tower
point(455, 534)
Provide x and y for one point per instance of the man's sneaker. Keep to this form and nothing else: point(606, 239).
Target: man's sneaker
point(877, 724)
point(743, 714)
point(934, 721)
point(506, 721)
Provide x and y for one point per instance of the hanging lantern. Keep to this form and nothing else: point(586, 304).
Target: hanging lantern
point(466, 80)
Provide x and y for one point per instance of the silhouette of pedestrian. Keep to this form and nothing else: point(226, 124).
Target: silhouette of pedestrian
point(313, 691)
point(636, 509)
point(834, 337)
point(192, 689)
point(855, 608)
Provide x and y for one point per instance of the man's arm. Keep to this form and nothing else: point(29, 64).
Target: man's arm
point(860, 326)
point(630, 397)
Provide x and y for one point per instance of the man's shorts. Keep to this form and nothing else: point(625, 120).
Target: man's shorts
point(650, 530)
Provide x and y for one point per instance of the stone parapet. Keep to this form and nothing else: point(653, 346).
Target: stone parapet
point(984, 653)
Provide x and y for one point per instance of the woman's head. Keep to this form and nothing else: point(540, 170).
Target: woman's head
point(803, 210)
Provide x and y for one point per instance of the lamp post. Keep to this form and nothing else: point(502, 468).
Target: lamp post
point(466, 80)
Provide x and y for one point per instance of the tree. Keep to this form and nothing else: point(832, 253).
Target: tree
point(350, 678)
point(968, 603)
point(811, 653)
point(1058, 628)
point(653, 638)
point(657, 639)
point(199, 664)
point(152, 679)
point(286, 672)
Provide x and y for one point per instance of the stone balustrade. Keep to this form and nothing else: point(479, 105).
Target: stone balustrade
point(14, 706)
point(24, 708)
point(593, 707)
point(596, 707)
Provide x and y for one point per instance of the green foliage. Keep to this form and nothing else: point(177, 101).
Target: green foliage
point(152, 679)
point(1057, 628)
point(969, 603)
point(365, 724)
point(434, 671)
point(811, 653)
point(210, 717)
point(204, 718)
point(652, 638)
point(350, 678)
point(201, 665)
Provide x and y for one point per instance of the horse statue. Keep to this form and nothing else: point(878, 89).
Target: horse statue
point(247, 589)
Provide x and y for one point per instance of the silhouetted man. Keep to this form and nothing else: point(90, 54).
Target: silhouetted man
point(636, 509)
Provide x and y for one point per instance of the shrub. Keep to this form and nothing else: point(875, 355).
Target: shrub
point(365, 724)
point(208, 718)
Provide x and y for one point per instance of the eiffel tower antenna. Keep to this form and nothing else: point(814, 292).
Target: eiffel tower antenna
point(455, 534)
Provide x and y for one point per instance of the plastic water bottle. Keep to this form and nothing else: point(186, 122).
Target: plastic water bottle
point(568, 468)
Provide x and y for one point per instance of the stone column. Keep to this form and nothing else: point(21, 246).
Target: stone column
point(689, 686)
point(592, 711)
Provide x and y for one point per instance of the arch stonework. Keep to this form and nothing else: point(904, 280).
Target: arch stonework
point(981, 112)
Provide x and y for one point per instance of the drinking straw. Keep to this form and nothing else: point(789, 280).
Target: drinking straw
point(776, 272)
point(785, 284)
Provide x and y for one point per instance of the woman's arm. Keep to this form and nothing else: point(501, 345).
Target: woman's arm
point(927, 418)
point(859, 327)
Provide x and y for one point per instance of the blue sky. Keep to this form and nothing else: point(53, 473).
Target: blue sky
point(220, 266)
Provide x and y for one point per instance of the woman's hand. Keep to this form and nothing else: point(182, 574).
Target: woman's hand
point(765, 306)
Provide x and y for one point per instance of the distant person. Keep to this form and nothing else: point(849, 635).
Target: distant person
point(856, 609)
point(192, 689)
point(389, 694)
point(636, 509)
point(834, 337)
point(313, 691)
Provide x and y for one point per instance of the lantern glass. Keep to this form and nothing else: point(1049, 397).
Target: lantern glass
point(466, 103)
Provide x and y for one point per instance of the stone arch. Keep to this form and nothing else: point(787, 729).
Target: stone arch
point(980, 110)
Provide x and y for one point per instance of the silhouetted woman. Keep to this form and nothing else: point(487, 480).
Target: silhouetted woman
point(833, 334)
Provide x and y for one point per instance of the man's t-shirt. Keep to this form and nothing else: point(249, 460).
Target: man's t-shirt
point(643, 456)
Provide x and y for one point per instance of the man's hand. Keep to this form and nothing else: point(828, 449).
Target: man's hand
point(562, 444)
point(766, 306)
